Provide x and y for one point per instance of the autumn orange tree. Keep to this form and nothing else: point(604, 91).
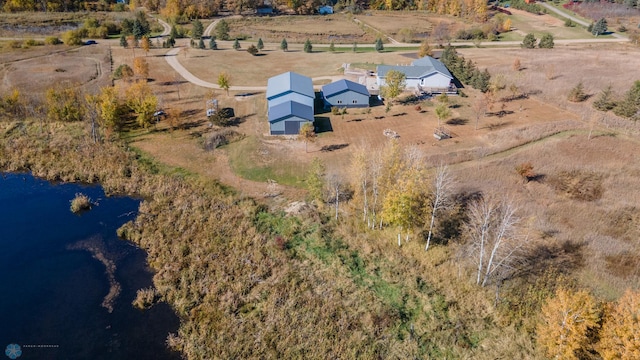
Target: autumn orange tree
point(141, 68)
point(567, 319)
point(620, 335)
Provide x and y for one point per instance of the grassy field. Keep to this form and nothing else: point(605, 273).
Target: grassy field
point(296, 29)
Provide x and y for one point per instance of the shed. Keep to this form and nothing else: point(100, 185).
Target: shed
point(345, 93)
point(286, 118)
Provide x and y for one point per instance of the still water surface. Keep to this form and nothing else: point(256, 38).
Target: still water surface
point(54, 277)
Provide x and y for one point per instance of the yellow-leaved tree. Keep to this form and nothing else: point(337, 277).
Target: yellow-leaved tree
point(620, 335)
point(142, 102)
point(565, 324)
point(141, 68)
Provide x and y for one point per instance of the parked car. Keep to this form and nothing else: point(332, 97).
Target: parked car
point(90, 42)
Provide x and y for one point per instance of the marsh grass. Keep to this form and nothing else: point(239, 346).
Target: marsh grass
point(80, 203)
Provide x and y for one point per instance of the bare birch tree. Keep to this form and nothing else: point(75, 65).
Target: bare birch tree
point(495, 244)
point(337, 191)
point(442, 186)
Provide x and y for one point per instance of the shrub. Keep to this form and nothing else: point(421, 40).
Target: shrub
point(307, 46)
point(52, 40)
point(145, 298)
point(80, 203)
point(72, 37)
point(529, 41)
point(123, 71)
point(253, 50)
point(526, 171)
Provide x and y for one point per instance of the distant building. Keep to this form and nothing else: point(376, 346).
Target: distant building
point(290, 98)
point(424, 74)
point(325, 10)
point(345, 93)
point(264, 10)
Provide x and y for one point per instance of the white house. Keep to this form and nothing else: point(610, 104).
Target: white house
point(424, 74)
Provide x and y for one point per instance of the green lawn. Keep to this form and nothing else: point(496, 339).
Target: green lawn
point(244, 160)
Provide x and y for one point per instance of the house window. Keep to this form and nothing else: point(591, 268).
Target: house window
point(355, 101)
point(339, 101)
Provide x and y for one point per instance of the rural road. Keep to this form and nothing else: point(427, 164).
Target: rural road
point(172, 55)
point(574, 19)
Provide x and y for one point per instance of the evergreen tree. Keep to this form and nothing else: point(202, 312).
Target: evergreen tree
point(600, 27)
point(260, 45)
point(354, 48)
point(605, 101)
point(529, 41)
point(201, 44)
point(212, 43)
point(577, 94)
point(222, 30)
point(197, 29)
point(307, 46)
point(174, 32)
point(236, 45)
point(379, 45)
point(546, 42)
point(630, 105)
point(171, 42)
point(123, 41)
point(332, 46)
point(283, 45)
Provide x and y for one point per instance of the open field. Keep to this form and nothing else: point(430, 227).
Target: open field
point(524, 23)
point(414, 24)
point(36, 69)
point(337, 27)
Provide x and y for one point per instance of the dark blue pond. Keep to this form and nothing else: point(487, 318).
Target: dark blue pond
point(54, 285)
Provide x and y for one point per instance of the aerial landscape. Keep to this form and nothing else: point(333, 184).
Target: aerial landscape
point(208, 179)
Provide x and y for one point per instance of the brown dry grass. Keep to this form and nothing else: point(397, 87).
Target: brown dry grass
point(525, 134)
point(249, 70)
point(420, 23)
point(34, 70)
point(296, 29)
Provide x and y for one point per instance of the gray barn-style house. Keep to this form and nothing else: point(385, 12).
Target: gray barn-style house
point(345, 93)
point(290, 98)
point(424, 74)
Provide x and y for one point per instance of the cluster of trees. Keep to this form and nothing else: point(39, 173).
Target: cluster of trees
point(628, 106)
point(546, 42)
point(465, 71)
point(393, 188)
point(529, 7)
point(575, 326)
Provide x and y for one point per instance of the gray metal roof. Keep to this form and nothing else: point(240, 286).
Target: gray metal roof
point(290, 108)
point(342, 86)
point(418, 69)
point(290, 82)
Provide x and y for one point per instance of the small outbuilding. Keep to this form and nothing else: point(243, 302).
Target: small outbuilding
point(345, 93)
point(286, 118)
point(325, 10)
